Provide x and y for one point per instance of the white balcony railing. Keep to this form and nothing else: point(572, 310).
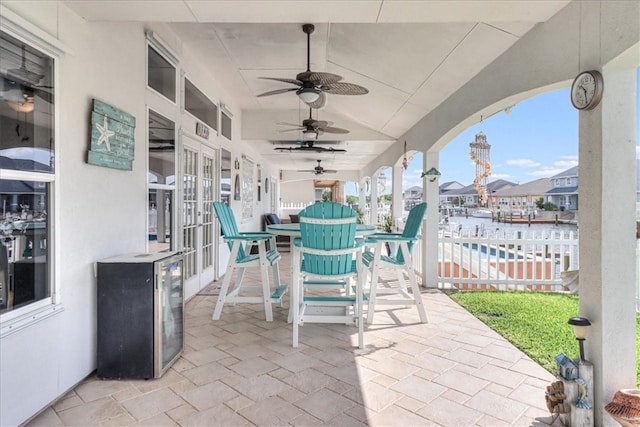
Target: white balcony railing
point(515, 261)
point(509, 261)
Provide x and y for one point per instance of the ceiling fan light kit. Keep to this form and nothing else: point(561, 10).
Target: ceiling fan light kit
point(308, 95)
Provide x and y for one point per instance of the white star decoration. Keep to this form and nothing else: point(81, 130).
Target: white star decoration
point(105, 133)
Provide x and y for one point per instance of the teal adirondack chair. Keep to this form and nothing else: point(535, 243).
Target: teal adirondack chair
point(399, 260)
point(240, 244)
point(325, 258)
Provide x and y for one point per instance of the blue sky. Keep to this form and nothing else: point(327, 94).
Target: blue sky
point(538, 139)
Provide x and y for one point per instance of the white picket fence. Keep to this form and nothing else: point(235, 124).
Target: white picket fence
point(505, 261)
point(522, 261)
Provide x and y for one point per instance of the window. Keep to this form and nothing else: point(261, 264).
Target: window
point(247, 187)
point(27, 166)
point(161, 74)
point(568, 182)
point(197, 103)
point(225, 176)
point(162, 180)
point(225, 125)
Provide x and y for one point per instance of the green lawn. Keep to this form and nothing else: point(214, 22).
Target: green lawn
point(536, 323)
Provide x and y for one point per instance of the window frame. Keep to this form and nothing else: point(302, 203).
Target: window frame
point(224, 114)
point(157, 44)
point(23, 317)
point(173, 244)
point(216, 128)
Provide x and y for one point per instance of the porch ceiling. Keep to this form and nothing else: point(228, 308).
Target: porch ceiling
point(411, 55)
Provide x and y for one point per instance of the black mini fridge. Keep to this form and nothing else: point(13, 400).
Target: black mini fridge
point(140, 315)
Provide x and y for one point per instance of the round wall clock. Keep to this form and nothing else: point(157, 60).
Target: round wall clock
point(586, 90)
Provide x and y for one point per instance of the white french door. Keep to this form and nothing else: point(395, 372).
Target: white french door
point(199, 185)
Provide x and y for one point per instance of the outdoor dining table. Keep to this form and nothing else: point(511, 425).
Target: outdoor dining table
point(293, 230)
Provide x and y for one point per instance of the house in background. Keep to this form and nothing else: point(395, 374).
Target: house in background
point(448, 193)
point(564, 190)
point(470, 194)
point(521, 198)
point(412, 197)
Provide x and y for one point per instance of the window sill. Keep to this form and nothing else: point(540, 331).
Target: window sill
point(11, 326)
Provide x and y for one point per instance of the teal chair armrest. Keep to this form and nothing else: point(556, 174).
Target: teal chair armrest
point(250, 237)
point(384, 234)
point(389, 238)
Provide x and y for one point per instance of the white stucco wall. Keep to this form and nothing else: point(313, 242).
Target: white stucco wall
point(100, 212)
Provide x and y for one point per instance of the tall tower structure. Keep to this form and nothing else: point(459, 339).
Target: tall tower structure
point(480, 153)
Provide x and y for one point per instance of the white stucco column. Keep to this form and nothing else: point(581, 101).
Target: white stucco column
point(607, 177)
point(396, 191)
point(373, 216)
point(362, 198)
point(430, 226)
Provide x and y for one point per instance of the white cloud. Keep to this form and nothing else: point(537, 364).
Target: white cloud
point(547, 172)
point(638, 151)
point(500, 176)
point(566, 164)
point(525, 163)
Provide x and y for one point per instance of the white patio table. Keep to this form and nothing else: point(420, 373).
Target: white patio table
point(293, 230)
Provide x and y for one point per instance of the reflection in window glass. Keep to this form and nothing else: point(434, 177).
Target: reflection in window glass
point(24, 231)
point(161, 178)
point(162, 149)
point(225, 176)
point(26, 145)
point(161, 75)
point(160, 218)
point(225, 126)
point(26, 107)
point(197, 103)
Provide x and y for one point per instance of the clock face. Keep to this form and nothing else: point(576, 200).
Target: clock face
point(586, 90)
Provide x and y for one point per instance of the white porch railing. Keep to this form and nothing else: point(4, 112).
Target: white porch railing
point(550, 255)
point(518, 261)
point(383, 211)
point(509, 261)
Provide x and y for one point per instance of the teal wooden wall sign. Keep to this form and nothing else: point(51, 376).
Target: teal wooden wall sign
point(112, 137)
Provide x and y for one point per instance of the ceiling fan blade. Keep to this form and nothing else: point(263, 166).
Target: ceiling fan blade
point(318, 103)
point(345, 89)
point(279, 79)
point(289, 124)
point(291, 130)
point(335, 150)
point(45, 95)
point(316, 123)
point(329, 171)
point(22, 74)
point(334, 130)
point(318, 78)
point(276, 92)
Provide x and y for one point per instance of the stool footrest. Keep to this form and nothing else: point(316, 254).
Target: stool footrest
point(279, 293)
point(330, 300)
